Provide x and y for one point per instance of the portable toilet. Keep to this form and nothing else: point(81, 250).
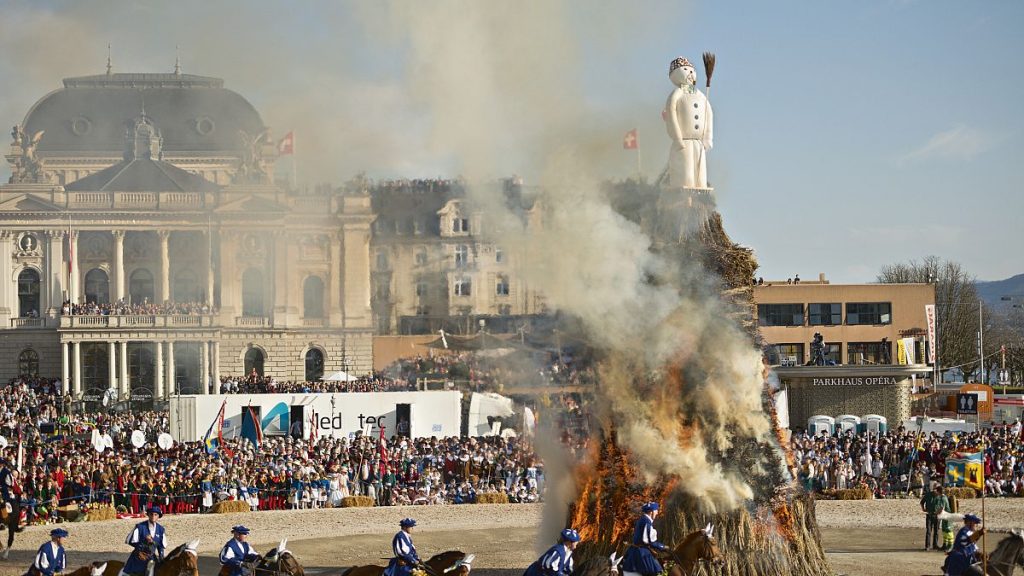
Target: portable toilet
point(875, 424)
point(848, 422)
point(817, 425)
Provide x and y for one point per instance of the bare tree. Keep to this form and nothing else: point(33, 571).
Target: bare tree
point(956, 306)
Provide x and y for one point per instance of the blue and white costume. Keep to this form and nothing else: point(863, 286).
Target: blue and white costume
point(137, 539)
point(50, 558)
point(964, 550)
point(640, 556)
point(405, 553)
point(557, 561)
point(6, 484)
point(235, 552)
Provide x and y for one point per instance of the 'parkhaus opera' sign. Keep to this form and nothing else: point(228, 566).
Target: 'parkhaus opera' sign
point(856, 381)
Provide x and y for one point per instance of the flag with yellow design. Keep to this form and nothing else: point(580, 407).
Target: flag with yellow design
point(966, 470)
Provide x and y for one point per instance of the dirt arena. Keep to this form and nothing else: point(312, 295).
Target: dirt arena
point(860, 537)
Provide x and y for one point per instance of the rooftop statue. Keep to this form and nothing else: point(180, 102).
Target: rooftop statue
point(690, 125)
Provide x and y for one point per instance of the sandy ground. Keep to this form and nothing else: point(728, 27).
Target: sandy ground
point(860, 537)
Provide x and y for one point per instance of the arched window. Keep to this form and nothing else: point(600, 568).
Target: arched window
point(252, 294)
point(97, 287)
point(254, 361)
point(313, 298)
point(28, 293)
point(186, 287)
point(28, 363)
point(314, 365)
point(140, 286)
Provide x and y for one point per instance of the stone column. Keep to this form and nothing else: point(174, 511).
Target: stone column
point(158, 385)
point(112, 365)
point(74, 293)
point(172, 384)
point(54, 279)
point(216, 365)
point(204, 369)
point(65, 370)
point(8, 292)
point(119, 283)
point(123, 384)
point(209, 269)
point(334, 284)
point(77, 390)
point(165, 267)
point(280, 279)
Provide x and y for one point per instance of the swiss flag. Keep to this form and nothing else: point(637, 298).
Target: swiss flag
point(630, 141)
point(287, 144)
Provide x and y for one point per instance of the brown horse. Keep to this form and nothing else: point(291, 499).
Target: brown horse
point(697, 547)
point(598, 566)
point(1008, 555)
point(182, 561)
point(12, 522)
point(279, 561)
point(450, 563)
point(94, 569)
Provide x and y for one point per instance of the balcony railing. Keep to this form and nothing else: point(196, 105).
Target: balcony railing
point(252, 321)
point(136, 321)
point(314, 322)
point(28, 323)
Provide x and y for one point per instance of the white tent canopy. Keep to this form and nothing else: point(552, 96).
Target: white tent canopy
point(340, 376)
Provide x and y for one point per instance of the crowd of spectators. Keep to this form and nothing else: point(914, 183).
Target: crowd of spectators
point(492, 373)
point(146, 308)
point(255, 384)
point(902, 461)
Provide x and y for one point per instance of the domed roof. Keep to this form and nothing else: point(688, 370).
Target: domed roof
point(195, 114)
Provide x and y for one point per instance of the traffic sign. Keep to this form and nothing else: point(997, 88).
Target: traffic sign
point(967, 403)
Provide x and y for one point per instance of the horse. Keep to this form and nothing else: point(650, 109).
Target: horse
point(450, 563)
point(697, 547)
point(94, 569)
point(279, 561)
point(1009, 554)
point(12, 522)
point(599, 566)
point(182, 561)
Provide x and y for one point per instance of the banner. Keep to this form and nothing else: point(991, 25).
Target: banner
point(966, 470)
point(933, 343)
point(909, 347)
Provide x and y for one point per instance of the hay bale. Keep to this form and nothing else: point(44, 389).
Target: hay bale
point(229, 506)
point(492, 498)
point(961, 492)
point(101, 512)
point(859, 493)
point(358, 502)
point(69, 512)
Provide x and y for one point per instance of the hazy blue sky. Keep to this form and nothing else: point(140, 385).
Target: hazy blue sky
point(848, 135)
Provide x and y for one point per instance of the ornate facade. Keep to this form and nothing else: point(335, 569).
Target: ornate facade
point(433, 268)
point(146, 203)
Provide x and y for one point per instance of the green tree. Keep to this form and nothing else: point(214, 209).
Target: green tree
point(956, 306)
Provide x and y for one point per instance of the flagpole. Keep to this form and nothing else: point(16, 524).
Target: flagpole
point(639, 166)
point(295, 175)
point(984, 526)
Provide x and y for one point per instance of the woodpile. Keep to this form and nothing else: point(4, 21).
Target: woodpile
point(492, 498)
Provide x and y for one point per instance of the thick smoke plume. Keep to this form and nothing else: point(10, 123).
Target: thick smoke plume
point(498, 80)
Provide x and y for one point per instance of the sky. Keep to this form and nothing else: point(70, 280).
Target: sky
point(848, 136)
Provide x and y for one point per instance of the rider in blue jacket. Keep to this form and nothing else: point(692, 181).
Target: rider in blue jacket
point(557, 561)
point(964, 547)
point(405, 553)
point(639, 557)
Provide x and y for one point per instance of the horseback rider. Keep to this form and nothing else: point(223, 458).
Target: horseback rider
point(50, 558)
point(236, 551)
point(149, 542)
point(965, 549)
point(405, 553)
point(10, 490)
point(640, 555)
point(557, 561)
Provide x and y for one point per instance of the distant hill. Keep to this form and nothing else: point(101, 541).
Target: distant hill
point(993, 293)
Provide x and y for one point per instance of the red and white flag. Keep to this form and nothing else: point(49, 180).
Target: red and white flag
point(630, 141)
point(287, 144)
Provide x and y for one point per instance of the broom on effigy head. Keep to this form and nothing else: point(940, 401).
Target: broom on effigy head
point(709, 70)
